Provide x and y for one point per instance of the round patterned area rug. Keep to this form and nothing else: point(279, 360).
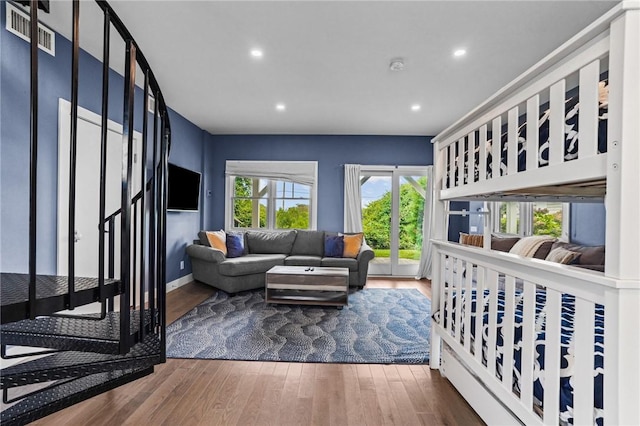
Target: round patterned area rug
point(380, 326)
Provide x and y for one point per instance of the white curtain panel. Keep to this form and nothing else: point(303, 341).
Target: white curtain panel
point(425, 267)
point(352, 198)
point(303, 172)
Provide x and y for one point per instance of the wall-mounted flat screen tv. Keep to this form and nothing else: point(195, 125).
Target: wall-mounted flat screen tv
point(184, 189)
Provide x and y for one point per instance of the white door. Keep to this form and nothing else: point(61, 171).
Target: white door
point(87, 202)
point(392, 217)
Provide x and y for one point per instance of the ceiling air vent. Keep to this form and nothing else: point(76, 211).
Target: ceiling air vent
point(18, 23)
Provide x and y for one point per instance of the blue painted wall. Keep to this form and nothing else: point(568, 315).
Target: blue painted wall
point(187, 150)
point(331, 152)
point(588, 223)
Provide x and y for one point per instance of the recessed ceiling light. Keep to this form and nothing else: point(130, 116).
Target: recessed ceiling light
point(459, 52)
point(281, 107)
point(256, 53)
point(415, 107)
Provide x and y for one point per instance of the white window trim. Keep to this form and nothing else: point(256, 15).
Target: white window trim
point(282, 165)
point(526, 219)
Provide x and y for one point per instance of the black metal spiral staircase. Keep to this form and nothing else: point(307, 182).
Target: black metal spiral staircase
point(84, 355)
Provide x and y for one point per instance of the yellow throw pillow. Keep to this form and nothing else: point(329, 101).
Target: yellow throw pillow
point(352, 244)
point(218, 240)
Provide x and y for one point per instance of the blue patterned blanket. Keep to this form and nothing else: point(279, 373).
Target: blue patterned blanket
point(567, 347)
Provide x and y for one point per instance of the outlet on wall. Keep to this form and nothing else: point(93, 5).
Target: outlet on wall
point(181, 265)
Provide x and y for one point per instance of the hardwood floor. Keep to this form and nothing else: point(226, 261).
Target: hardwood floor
point(204, 392)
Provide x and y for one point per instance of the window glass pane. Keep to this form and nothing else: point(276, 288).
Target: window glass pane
point(292, 214)
point(509, 217)
point(547, 219)
point(250, 213)
point(252, 198)
point(376, 214)
point(412, 196)
point(243, 187)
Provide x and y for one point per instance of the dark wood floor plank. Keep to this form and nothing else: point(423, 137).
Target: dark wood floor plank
point(242, 393)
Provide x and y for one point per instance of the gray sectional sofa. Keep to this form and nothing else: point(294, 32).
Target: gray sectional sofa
point(263, 250)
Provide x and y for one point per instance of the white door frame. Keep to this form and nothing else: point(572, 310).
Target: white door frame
point(64, 131)
point(395, 172)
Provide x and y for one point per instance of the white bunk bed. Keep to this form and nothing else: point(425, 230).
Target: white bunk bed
point(571, 337)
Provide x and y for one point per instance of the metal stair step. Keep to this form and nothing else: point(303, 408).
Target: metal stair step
point(70, 334)
point(51, 294)
point(67, 364)
point(56, 398)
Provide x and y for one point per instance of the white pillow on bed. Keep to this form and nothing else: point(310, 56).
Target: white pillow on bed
point(562, 255)
point(527, 246)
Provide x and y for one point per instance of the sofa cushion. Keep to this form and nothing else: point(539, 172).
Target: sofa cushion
point(340, 262)
point(218, 240)
point(235, 244)
point(562, 255)
point(308, 243)
point(250, 264)
point(589, 255)
point(270, 242)
point(352, 244)
point(333, 245)
point(303, 260)
point(476, 240)
point(202, 236)
point(544, 250)
point(503, 243)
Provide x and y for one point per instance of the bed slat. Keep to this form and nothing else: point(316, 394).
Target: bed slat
point(588, 92)
point(451, 149)
point(512, 141)
point(483, 153)
point(467, 307)
point(443, 278)
point(552, 358)
point(584, 362)
point(460, 162)
point(458, 311)
point(528, 343)
point(533, 110)
point(471, 160)
point(450, 289)
point(492, 277)
point(556, 123)
point(495, 147)
point(507, 332)
point(477, 344)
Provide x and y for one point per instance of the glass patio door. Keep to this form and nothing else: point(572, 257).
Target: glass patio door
point(392, 217)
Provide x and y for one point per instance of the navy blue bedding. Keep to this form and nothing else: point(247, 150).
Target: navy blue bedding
point(572, 123)
point(566, 367)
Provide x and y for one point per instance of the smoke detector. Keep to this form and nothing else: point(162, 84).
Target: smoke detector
point(396, 65)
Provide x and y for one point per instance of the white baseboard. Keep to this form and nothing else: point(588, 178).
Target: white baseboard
point(179, 282)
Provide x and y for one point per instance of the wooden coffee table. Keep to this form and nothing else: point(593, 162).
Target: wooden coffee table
point(304, 285)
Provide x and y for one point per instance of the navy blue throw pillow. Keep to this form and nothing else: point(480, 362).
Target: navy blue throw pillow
point(333, 245)
point(235, 245)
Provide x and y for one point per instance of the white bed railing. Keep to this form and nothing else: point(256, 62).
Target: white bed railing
point(575, 68)
point(610, 45)
point(461, 270)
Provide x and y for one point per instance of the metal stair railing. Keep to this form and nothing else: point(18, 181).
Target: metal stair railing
point(140, 222)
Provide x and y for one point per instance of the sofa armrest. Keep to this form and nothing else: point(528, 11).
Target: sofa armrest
point(365, 254)
point(205, 253)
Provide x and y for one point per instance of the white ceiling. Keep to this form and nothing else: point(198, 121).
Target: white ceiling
point(328, 61)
